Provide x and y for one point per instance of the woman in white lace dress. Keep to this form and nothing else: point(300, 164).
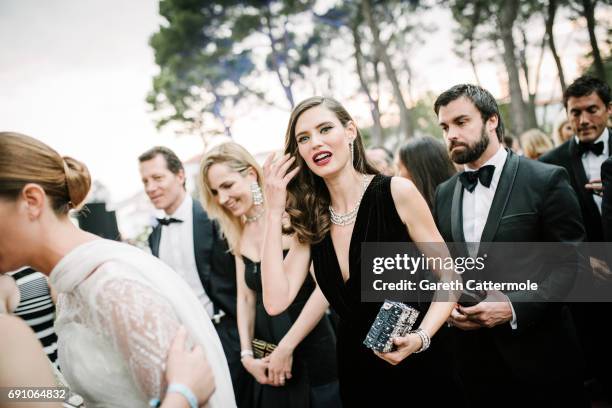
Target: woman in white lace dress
point(118, 307)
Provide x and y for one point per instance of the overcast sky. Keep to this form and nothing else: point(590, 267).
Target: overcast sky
point(74, 74)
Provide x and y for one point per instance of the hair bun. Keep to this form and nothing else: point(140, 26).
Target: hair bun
point(78, 181)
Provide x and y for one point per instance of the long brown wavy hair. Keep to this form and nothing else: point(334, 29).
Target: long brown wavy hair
point(307, 195)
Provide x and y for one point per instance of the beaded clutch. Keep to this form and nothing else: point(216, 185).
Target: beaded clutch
point(394, 319)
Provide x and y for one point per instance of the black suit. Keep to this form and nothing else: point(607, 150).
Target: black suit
point(217, 272)
point(606, 204)
point(588, 316)
point(567, 156)
point(538, 362)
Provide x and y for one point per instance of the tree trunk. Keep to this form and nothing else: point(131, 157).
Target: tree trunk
point(474, 22)
point(405, 124)
point(377, 136)
point(518, 110)
point(276, 61)
point(217, 111)
point(589, 14)
point(550, 21)
point(532, 91)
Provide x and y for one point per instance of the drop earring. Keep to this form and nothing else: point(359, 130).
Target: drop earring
point(352, 148)
point(257, 194)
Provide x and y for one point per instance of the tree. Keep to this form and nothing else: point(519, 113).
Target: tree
point(210, 52)
point(200, 74)
point(347, 16)
point(381, 52)
point(551, 11)
point(588, 11)
point(508, 19)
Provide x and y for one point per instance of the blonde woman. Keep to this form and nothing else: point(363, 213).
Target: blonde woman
point(301, 371)
point(562, 132)
point(535, 143)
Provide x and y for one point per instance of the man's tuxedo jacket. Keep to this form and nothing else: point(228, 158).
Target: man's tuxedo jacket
point(216, 266)
point(533, 202)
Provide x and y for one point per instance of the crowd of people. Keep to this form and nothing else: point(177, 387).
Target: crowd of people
point(251, 295)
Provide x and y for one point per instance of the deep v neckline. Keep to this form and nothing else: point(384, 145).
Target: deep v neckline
point(340, 277)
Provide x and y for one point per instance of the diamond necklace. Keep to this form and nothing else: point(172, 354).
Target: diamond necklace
point(349, 217)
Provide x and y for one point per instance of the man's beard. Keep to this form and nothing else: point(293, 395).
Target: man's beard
point(471, 152)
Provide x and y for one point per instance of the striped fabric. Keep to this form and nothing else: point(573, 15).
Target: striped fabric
point(36, 308)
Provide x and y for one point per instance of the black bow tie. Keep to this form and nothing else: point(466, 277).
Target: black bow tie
point(167, 221)
point(470, 179)
point(596, 148)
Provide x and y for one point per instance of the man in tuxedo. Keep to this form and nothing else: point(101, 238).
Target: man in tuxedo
point(512, 349)
point(588, 104)
point(188, 241)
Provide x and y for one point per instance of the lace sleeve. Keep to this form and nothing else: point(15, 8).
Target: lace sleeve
point(141, 325)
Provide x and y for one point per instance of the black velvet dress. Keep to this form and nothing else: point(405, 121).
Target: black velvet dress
point(365, 379)
point(314, 371)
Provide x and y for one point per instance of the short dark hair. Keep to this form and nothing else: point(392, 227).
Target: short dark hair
point(586, 85)
point(173, 163)
point(480, 97)
point(388, 154)
point(508, 141)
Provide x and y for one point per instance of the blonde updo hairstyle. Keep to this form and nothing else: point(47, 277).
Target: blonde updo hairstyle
point(240, 160)
point(25, 160)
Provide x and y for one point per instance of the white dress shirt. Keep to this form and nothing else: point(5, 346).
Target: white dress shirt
point(176, 250)
point(476, 206)
point(592, 163)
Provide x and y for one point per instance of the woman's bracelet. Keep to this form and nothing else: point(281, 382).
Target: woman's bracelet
point(185, 392)
point(245, 353)
point(180, 389)
point(425, 339)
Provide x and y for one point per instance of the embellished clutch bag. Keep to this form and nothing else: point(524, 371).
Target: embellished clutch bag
point(394, 319)
point(262, 348)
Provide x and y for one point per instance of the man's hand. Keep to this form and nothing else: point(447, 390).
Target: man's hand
point(461, 321)
point(601, 270)
point(595, 186)
point(492, 311)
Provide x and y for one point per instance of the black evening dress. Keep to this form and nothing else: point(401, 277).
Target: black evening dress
point(421, 379)
point(314, 381)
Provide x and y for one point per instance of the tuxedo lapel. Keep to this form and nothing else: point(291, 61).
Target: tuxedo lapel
point(500, 200)
point(457, 213)
point(154, 240)
point(202, 242)
point(580, 179)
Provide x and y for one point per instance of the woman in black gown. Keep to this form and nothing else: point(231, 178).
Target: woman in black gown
point(301, 371)
point(324, 173)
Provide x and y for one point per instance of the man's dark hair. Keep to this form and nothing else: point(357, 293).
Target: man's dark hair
point(586, 85)
point(173, 163)
point(508, 141)
point(388, 154)
point(480, 97)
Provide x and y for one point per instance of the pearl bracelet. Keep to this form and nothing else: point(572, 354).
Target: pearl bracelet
point(425, 339)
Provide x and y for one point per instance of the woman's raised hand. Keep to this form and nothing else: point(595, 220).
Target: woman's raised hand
point(276, 179)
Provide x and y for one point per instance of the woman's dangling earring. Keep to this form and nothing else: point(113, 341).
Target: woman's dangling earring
point(352, 152)
point(257, 194)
